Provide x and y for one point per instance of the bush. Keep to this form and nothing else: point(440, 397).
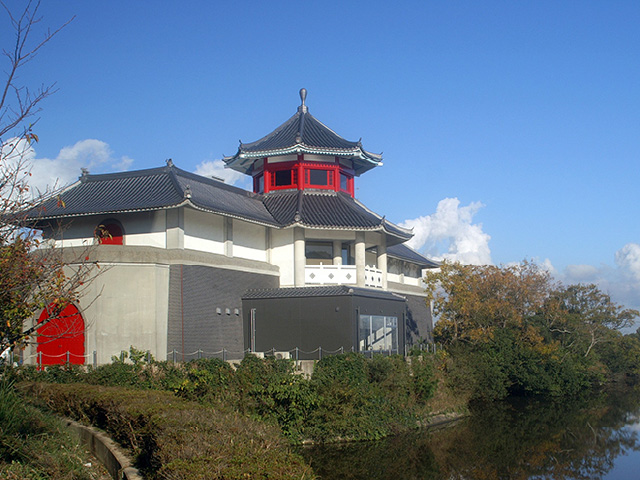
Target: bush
point(174, 438)
point(360, 398)
point(34, 445)
point(424, 381)
point(349, 396)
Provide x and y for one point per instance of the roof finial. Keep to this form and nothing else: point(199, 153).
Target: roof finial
point(303, 97)
point(169, 162)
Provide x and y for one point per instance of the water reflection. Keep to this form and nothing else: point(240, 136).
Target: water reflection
point(517, 440)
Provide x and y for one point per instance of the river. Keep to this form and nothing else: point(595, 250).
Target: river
point(589, 438)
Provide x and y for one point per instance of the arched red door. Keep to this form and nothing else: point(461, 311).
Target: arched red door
point(61, 335)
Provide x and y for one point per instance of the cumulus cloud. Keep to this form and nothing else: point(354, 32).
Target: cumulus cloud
point(64, 169)
point(451, 229)
point(621, 280)
point(215, 168)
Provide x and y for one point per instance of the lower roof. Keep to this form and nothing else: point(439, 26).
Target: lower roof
point(322, 291)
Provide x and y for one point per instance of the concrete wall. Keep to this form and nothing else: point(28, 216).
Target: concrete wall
point(126, 305)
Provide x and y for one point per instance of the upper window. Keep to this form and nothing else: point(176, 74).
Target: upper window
point(344, 182)
point(109, 233)
point(318, 177)
point(284, 178)
point(258, 184)
point(319, 252)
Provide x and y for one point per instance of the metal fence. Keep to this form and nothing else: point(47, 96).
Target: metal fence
point(177, 356)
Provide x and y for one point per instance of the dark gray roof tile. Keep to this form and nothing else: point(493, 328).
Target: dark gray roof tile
point(326, 210)
point(323, 291)
point(404, 252)
point(302, 133)
point(168, 187)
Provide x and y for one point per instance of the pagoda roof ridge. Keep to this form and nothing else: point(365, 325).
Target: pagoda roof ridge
point(302, 133)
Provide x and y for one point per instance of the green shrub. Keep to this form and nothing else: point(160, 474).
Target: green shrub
point(424, 381)
point(34, 445)
point(174, 438)
point(347, 369)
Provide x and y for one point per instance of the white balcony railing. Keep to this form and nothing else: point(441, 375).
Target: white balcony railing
point(341, 275)
point(399, 278)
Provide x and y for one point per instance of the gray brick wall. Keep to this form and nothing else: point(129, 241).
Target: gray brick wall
point(419, 321)
point(196, 293)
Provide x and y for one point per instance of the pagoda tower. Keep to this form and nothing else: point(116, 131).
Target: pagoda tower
point(301, 154)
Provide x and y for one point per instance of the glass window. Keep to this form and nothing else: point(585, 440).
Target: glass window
point(347, 259)
point(282, 178)
point(260, 184)
point(318, 177)
point(344, 182)
point(378, 333)
point(319, 252)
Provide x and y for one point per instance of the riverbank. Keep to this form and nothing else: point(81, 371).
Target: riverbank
point(348, 398)
point(35, 444)
point(590, 437)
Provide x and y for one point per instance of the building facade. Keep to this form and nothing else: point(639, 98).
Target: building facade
point(194, 267)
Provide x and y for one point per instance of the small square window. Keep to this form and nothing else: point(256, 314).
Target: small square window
point(318, 177)
point(283, 178)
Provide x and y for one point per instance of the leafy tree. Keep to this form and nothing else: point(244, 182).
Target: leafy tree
point(33, 275)
point(472, 301)
point(592, 315)
point(513, 330)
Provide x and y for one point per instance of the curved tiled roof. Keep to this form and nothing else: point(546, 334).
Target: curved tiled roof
point(405, 252)
point(302, 133)
point(170, 187)
point(328, 209)
point(152, 189)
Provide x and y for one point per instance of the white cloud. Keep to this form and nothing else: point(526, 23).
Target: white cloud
point(450, 228)
point(92, 154)
point(628, 259)
point(621, 281)
point(581, 273)
point(215, 168)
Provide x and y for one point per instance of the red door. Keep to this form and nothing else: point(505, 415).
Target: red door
point(61, 335)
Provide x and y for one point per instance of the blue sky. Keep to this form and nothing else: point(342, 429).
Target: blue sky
point(524, 115)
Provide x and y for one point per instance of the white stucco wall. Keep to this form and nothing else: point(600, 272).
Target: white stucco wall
point(249, 241)
point(140, 228)
point(203, 231)
point(282, 254)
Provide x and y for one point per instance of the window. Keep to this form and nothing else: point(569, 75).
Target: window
point(282, 178)
point(347, 259)
point(378, 333)
point(319, 252)
point(109, 233)
point(344, 182)
point(318, 177)
point(258, 184)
